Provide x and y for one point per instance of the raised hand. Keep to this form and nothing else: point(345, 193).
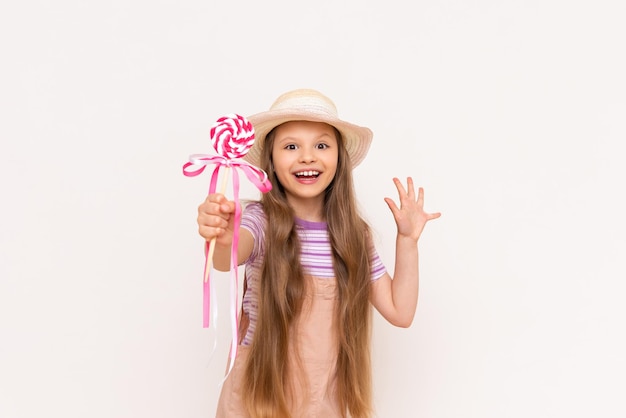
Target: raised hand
point(410, 216)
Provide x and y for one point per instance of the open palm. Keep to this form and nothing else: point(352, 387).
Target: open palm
point(410, 217)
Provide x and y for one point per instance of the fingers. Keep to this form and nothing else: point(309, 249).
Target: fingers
point(220, 202)
point(420, 204)
point(410, 189)
point(400, 187)
point(217, 204)
point(214, 216)
point(432, 216)
point(407, 196)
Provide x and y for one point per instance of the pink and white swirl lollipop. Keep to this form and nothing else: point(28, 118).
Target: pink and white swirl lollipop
point(232, 136)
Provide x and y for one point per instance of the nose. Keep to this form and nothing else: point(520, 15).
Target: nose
point(307, 155)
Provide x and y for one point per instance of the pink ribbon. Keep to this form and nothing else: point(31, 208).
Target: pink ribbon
point(259, 178)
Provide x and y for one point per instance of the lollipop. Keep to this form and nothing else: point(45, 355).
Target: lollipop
point(232, 136)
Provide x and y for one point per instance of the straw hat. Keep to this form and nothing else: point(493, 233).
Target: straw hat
point(308, 105)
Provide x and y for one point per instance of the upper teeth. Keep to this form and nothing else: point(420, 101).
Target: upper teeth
point(308, 173)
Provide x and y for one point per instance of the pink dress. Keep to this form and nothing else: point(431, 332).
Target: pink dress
point(314, 335)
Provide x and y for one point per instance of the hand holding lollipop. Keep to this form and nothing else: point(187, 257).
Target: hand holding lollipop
point(232, 136)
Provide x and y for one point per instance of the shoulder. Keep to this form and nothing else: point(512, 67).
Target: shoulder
point(254, 208)
point(253, 218)
point(253, 211)
point(253, 221)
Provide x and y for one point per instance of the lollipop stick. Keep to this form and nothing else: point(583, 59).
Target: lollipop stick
point(212, 244)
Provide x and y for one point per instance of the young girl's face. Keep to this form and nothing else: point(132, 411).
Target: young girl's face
point(305, 158)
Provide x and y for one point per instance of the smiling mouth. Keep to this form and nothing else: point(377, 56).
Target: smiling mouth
point(310, 174)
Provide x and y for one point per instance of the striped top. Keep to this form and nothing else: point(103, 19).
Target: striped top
point(315, 256)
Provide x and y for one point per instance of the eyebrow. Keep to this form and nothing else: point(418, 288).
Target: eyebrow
point(292, 138)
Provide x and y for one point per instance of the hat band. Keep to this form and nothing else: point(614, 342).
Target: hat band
point(314, 105)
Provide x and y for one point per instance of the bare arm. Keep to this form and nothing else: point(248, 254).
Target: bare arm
point(396, 298)
point(215, 220)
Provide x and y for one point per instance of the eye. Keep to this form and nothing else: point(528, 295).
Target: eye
point(290, 147)
point(322, 146)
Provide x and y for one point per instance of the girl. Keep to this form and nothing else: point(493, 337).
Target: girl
point(311, 267)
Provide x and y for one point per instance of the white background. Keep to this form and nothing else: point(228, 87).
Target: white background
point(511, 115)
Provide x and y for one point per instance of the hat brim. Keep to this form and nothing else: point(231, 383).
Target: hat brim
point(357, 139)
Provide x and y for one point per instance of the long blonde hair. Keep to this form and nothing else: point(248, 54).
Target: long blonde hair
point(282, 289)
